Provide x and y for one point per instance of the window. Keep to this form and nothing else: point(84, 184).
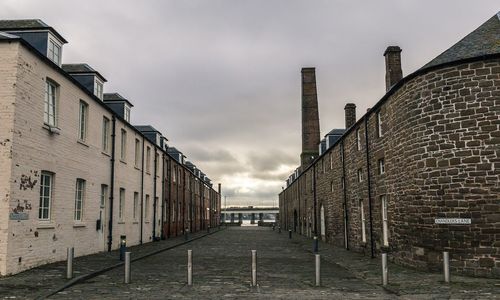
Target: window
point(50, 109)
point(54, 52)
point(82, 125)
point(136, 204)
point(381, 166)
point(360, 175)
point(79, 196)
point(331, 187)
point(363, 221)
point(148, 159)
point(121, 205)
point(123, 149)
point(98, 90)
point(146, 209)
point(46, 186)
point(126, 113)
point(385, 225)
point(157, 164)
point(137, 153)
point(104, 195)
point(331, 161)
point(380, 133)
point(358, 139)
point(106, 130)
point(174, 173)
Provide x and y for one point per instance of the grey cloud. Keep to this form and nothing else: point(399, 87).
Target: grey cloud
point(221, 78)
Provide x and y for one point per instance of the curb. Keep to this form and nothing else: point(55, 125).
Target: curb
point(84, 277)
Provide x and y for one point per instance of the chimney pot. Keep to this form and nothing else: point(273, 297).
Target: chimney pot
point(350, 114)
point(393, 71)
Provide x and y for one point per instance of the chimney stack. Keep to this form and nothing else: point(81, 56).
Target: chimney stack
point(393, 71)
point(310, 117)
point(350, 115)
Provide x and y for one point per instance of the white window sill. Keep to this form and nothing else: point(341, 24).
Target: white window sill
point(122, 161)
point(51, 129)
point(78, 225)
point(147, 222)
point(135, 222)
point(82, 143)
point(45, 225)
point(121, 222)
point(105, 153)
point(137, 168)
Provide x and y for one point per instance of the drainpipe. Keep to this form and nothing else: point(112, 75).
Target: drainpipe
point(170, 206)
point(344, 189)
point(305, 205)
point(315, 202)
point(154, 198)
point(162, 234)
point(183, 200)
point(191, 214)
point(142, 191)
point(369, 187)
point(112, 185)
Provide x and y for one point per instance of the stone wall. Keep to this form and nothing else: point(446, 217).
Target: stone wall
point(440, 145)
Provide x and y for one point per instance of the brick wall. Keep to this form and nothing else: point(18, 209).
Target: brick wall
point(441, 151)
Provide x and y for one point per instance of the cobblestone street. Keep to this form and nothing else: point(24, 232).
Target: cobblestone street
point(221, 269)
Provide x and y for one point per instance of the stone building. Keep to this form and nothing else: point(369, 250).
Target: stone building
point(419, 172)
point(75, 171)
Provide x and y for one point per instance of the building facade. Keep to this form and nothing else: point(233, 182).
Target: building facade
point(75, 171)
point(419, 173)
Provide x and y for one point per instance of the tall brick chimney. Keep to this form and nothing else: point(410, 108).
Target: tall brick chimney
point(310, 117)
point(350, 115)
point(393, 71)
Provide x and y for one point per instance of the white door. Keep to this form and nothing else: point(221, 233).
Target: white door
point(102, 216)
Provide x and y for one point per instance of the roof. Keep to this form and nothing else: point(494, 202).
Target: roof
point(28, 24)
point(110, 97)
point(81, 69)
point(146, 128)
point(335, 131)
point(7, 36)
point(485, 40)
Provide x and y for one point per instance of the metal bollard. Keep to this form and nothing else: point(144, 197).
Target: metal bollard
point(446, 266)
point(254, 267)
point(186, 234)
point(127, 267)
point(289, 233)
point(315, 245)
point(318, 270)
point(190, 267)
point(69, 266)
point(384, 269)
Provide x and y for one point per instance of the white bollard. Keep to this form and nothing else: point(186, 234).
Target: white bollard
point(446, 266)
point(254, 267)
point(190, 267)
point(127, 267)
point(69, 266)
point(318, 270)
point(384, 269)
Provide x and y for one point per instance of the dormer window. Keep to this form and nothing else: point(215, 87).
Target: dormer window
point(98, 88)
point(54, 52)
point(126, 113)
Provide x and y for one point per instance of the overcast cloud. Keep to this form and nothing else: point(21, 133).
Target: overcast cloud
point(221, 78)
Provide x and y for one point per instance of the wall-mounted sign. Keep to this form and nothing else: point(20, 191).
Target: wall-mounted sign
point(19, 216)
point(452, 221)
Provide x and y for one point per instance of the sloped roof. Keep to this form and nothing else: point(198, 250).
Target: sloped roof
point(146, 128)
point(115, 97)
point(28, 24)
point(82, 68)
point(336, 131)
point(484, 40)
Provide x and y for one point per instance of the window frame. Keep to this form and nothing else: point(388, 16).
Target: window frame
point(83, 117)
point(381, 166)
point(51, 54)
point(50, 110)
point(123, 145)
point(137, 157)
point(80, 194)
point(148, 159)
point(358, 139)
point(47, 201)
point(98, 88)
point(121, 205)
point(136, 205)
point(146, 208)
point(106, 134)
point(380, 132)
point(104, 195)
point(126, 113)
point(363, 220)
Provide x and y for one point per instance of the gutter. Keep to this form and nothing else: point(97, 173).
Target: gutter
point(112, 183)
point(344, 188)
point(154, 197)
point(142, 192)
point(369, 186)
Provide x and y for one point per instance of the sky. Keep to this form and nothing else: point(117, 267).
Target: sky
point(221, 78)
